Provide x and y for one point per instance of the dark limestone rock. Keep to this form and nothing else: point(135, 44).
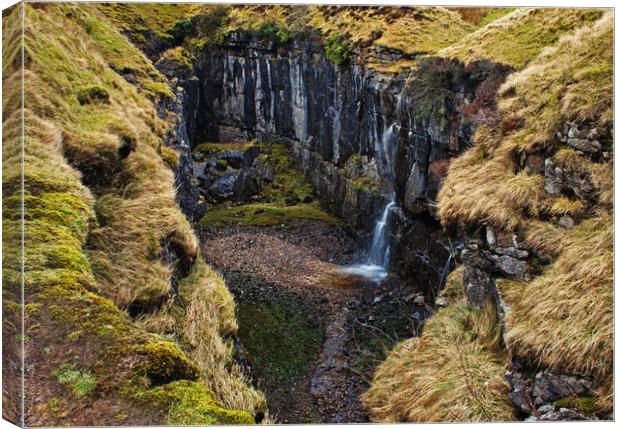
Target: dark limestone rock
point(508, 265)
point(563, 414)
point(584, 145)
point(234, 158)
point(549, 387)
point(520, 394)
point(479, 286)
point(567, 181)
point(223, 187)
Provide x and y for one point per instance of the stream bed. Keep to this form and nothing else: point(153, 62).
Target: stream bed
point(311, 334)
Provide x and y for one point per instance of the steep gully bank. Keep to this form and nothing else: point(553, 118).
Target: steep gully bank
point(344, 125)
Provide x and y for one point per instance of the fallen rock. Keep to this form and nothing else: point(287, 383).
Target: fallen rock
point(549, 387)
point(441, 302)
point(520, 394)
point(566, 221)
point(563, 414)
point(224, 186)
point(584, 145)
point(508, 265)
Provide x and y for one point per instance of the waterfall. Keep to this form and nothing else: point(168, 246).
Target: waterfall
point(377, 264)
point(379, 252)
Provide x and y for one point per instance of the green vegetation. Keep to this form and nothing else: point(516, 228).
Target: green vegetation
point(81, 383)
point(99, 206)
point(264, 214)
point(431, 87)
point(281, 344)
point(169, 156)
point(337, 49)
point(289, 198)
point(192, 404)
point(493, 14)
point(93, 93)
point(519, 36)
point(454, 372)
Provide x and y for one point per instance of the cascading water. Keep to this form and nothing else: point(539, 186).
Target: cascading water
point(376, 266)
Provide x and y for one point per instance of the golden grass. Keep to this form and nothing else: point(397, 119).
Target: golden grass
point(518, 37)
point(563, 319)
point(409, 30)
point(454, 289)
point(571, 81)
point(454, 372)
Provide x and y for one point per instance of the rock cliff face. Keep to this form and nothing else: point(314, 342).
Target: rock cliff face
point(357, 133)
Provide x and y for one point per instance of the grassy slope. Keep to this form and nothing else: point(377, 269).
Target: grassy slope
point(408, 30)
point(454, 372)
point(518, 37)
point(91, 251)
point(562, 318)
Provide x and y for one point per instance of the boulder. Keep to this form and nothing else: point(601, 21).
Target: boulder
point(508, 265)
point(584, 145)
point(234, 158)
point(549, 387)
point(563, 414)
point(479, 286)
point(566, 221)
point(519, 393)
point(223, 187)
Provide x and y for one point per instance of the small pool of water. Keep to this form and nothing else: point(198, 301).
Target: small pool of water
point(372, 272)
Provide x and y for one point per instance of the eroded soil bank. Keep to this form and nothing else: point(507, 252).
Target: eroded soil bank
point(311, 336)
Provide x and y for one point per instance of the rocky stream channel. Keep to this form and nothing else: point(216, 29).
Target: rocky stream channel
point(318, 311)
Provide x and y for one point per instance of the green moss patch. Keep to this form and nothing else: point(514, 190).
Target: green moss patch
point(166, 362)
point(191, 403)
point(281, 344)
point(289, 198)
point(585, 404)
point(81, 382)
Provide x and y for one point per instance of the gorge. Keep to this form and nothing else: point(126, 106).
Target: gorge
point(279, 214)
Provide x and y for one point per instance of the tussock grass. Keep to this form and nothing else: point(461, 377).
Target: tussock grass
point(563, 319)
point(454, 289)
point(519, 36)
point(452, 373)
point(571, 81)
point(208, 319)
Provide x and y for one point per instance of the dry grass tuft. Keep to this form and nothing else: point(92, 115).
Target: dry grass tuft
point(563, 319)
point(452, 373)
